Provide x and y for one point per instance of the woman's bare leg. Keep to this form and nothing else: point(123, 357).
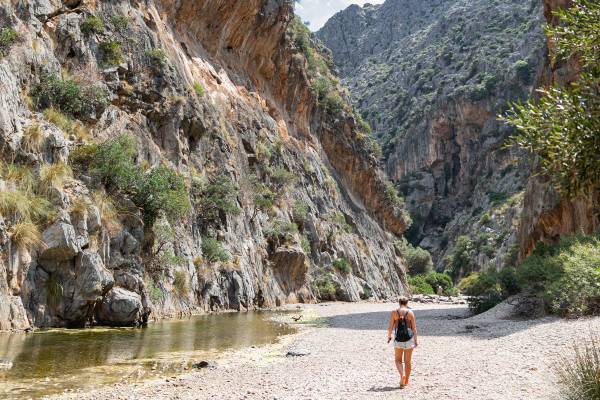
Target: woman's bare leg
point(399, 367)
point(407, 364)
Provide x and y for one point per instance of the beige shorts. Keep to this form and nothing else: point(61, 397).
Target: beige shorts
point(405, 345)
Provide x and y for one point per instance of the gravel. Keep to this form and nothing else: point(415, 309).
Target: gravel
point(459, 358)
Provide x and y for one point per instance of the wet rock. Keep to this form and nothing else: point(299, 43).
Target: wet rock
point(120, 307)
point(204, 364)
point(297, 353)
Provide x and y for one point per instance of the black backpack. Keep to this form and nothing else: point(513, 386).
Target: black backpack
point(403, 332)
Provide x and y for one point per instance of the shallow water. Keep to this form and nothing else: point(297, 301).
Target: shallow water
point(53, 361)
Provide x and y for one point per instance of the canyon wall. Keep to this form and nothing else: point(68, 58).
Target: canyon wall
point(431, 77)
point(213, 90)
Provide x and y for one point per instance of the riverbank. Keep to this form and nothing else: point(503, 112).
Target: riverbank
point(484, 357)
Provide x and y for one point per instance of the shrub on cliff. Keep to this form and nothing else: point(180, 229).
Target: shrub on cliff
point(75, 99)
point(342, 265)
point(428, 284)
point(213, 251)
point(111, 53)
point(215, 197)
point(417, 259)
point(8, 36)
point(561, 129)
point(92, 24)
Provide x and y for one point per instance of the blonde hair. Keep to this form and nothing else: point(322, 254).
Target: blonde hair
point(403, 300)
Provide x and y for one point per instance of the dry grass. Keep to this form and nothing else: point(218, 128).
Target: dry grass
point(67, 125)
point(21, 176)
point(108, 212)
point(180, 284)
point(53, 176)
point(579, 373)
point(33, 138)
point(19, 205)
point(26, 235)
point(80, 206)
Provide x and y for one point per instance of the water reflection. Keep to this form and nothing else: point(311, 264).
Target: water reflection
point(55, 360)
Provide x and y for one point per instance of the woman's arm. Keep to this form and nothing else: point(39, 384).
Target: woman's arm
point(413, 322)
point(391, 325)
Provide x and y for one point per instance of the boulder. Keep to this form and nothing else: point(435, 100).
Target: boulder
point(60, 242)
point(290, 267)
point(84, 287)
point(120, 307)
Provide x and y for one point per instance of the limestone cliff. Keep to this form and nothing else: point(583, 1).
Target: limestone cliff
point(431, 77)
point(216, 91)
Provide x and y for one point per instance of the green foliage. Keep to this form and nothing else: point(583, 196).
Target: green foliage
point(54, 291)
point(579, 371)
point(111, 53)
point(198, 89)
point(324, 288)
point(281, 177)
point(428, 284)
point(392, 195)
point(156, 295)
point(418, 285)
point(340, 220)
point(300, 211)
point(120, 22)
point(113, 163)
point(218, 196)
point(213, 251)
point(305, 244)
point(157, 57)
point(180, 283)
point(342, 265)
point(264, 197)
point(523, 70)
point(565, 275)
point(92, 24)
point(162, 190)
point(333, 103)
point(281, 231)
point(68, 96)
point(561, 129)
point(417, 259)
point(8, 36)
point(461, 259)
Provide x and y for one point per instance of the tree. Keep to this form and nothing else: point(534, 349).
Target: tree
point(562, 128)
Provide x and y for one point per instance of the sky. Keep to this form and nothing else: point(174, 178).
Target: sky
point(319, 11)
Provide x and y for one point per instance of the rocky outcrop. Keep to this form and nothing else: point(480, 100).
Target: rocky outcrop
point(431, 77)
point(206, 88)
point(120, 307)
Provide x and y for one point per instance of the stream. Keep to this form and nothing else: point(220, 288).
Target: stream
point(56, 360)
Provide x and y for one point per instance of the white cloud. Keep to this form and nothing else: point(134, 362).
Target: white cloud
point(319, 11)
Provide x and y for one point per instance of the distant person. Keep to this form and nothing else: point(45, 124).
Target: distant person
point(402, 322)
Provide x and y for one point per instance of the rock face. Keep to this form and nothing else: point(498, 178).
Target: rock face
point(207, 88)
point(120, 307)
point(431, 77)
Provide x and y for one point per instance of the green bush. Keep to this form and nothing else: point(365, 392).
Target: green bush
point(523, 70)
point(92, 24)
point(391, 193)
point(111, 53)
point(300, 211)
point(8, 36)
point(218, 196)
point(69, 97)
point(461, 259)
point(213, 251)
point(198, 89)
point(324, 288)
point(417, 259)
point(162, 190)
point(264, 197)
point(342, 265)
point(113, 163)
point(157, 57)
point(333, 103)
point(120, 22)
point(436, 279)
point(419, 285)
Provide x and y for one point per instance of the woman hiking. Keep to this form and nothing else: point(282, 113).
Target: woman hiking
point(402, 321)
